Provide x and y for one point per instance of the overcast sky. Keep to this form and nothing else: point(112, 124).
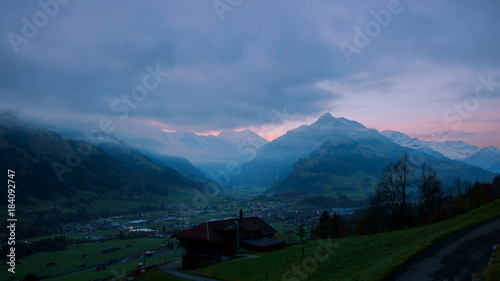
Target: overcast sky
point(430, 69)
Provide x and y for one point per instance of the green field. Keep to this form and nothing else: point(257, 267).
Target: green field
point(371, 257)
point(69, 260)
point(282, 229)
point(117, 270)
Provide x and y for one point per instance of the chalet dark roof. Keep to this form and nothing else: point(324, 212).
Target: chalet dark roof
point(262, 242)
point(213, 231)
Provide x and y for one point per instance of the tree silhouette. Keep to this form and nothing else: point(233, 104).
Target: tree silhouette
point(301, 232)
point(391, 192)
point(430, 188)
point(31, 277)
point(330, 226)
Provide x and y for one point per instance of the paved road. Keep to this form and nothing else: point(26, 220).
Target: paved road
point(455, 258)
point(174, 268)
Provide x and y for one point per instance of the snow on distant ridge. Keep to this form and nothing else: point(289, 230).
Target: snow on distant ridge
point(413, 143)
point(239, 138)
point(487, 157)
point(403, 140)
point(456, 150)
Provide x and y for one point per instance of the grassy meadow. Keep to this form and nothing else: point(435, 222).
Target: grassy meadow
point(371, 257)
point(71, 259)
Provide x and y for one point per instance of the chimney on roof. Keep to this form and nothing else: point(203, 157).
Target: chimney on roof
point(241, 214)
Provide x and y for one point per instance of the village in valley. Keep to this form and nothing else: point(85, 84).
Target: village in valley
point(149, 239)
point(164, 223)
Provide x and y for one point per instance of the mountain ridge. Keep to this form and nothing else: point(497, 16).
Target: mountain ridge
point(274, 162)
point(487, 158)
point(353, 162)
point(52, 168)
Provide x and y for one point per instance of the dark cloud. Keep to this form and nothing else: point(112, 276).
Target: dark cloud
point(232, 73)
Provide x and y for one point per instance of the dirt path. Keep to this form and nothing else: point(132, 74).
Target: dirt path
point(455, 258)
point(174, 268)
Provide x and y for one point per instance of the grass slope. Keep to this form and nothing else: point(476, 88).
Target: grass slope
point(371, 257)
point(492, 271)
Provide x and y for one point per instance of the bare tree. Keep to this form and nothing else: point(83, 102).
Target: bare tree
point(460, 186)
point(393, 185)
point(430, 188)
point(301, 232)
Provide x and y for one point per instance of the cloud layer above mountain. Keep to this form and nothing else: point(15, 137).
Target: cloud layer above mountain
point(413, 66)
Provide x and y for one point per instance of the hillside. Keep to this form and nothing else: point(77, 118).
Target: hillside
point(274, 161)
point(152, 164)
point(341, 164)
point(354, 167)
point(487, 158)
point(59, 171)
point(371, 257)
point(352, 161)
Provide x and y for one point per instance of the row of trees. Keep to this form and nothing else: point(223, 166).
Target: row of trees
point(57, 243)
point(329, 226)
point(390, 207)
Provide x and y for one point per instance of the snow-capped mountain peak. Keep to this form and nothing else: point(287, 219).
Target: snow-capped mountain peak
point(487, 158)
point(402, 139)
point(330, 122)
point(244, 137)
point(325, 120)
point(456, 150)
point(491, 149)
point(326, 116)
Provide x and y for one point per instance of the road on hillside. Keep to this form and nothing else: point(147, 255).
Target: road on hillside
point(455, 258)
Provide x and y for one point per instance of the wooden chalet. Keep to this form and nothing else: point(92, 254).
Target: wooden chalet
point(210, 241)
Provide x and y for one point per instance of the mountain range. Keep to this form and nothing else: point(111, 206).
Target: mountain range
point(331, 155)
point(80, 175)
point(209, 153)
point(274, 161)
point(487, 158)
point(336, 155)
point(181, 149)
